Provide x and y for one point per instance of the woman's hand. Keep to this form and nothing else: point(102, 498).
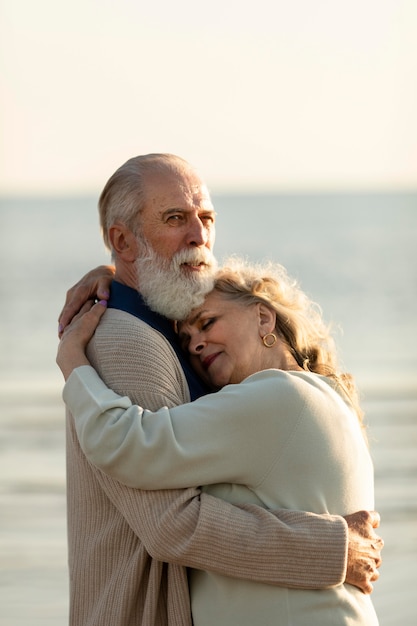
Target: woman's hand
point(95, 284)
point(71, 349)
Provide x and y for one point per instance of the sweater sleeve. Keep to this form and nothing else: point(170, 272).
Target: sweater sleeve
point(291, 549)
point(194, 529)
point(220, 438)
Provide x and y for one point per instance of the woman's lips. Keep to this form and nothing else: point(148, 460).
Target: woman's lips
point(209, 360)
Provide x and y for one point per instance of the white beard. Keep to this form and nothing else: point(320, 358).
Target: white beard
point(169, 290)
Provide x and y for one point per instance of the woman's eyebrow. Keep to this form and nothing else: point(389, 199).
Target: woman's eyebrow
point(194, 319)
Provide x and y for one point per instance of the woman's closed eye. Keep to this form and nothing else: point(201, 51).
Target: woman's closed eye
point(206, 324)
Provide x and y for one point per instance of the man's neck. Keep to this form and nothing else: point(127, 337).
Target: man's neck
point(126, 275)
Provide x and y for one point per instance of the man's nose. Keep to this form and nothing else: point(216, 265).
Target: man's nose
point(197, 234)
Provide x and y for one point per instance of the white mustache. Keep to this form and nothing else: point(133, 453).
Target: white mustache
point(194, 257)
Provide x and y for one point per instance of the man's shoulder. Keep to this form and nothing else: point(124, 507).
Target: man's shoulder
point(117, 315)
point(123, 337)
point(117, 325)
point(129, 356)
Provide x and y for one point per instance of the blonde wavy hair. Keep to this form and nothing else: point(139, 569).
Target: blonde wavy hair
point(299, 320)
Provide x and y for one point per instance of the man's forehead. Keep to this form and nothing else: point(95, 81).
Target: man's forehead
point(178, 199)
point(175, 177)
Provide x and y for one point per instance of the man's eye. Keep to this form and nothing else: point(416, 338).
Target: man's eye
point(174, 218)
point(205, 325)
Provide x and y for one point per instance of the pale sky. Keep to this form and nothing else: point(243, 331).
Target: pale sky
point(261, 95)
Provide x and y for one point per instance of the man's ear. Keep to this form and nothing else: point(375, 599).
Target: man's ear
point(267, 319)
point(123, 242)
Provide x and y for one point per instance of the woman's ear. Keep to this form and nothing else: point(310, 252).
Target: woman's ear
point(123, 242)
point(267, 319)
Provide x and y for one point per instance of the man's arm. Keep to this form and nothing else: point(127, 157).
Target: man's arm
point(284, 548)
point(292, 549)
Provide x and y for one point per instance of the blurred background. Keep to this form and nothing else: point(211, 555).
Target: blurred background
point(300, 117)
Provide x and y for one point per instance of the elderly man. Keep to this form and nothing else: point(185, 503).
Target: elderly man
point(128, 549)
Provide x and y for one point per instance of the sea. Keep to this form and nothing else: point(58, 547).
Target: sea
point(354, 253)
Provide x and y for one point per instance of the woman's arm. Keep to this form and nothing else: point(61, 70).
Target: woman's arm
point(222, 437)
point(205, 532)
point(214, 439)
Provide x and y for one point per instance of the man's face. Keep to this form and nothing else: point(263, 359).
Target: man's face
point(178, 214)
point(175, 266)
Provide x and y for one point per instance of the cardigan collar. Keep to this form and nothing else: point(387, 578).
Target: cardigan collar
point(131, 301)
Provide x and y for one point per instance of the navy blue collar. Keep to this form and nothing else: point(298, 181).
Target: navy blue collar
point(129, 300)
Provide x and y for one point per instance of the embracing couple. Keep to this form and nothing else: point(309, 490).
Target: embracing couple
point(218, 469)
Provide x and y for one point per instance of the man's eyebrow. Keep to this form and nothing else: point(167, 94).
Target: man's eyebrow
point(188, 210)
point(173, 210)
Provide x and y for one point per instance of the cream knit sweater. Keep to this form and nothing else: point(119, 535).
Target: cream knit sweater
point(121, 539)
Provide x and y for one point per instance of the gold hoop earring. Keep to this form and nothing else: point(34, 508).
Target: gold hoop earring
point(272, 342)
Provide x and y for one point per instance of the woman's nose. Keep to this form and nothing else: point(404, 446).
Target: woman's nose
point(196, 346)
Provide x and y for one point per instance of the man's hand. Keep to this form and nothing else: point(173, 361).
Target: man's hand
point(93, 286)
point(364, 551)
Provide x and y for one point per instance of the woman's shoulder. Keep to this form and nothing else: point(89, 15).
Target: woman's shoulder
point(275, 386)
point(302, 384)
point(282, 377)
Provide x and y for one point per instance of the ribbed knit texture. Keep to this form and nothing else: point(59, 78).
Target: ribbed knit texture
point(119, 537)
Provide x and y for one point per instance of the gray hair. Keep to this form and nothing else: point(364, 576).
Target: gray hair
point(124, 195)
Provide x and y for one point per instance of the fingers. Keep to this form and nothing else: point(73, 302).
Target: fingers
point(375, 551)
point(87, 319)
point(377, 554)
point(367, 587)
point(362, 573)
point(375, 575)
point(103, 287)
point(74, 306)
point(374, 518)
point(370, 518)
point(71, 308)
point(377, 543)
point(95, 284)
point(98, 309)
point(71, 348)
point(363, 522)
point(364, 549)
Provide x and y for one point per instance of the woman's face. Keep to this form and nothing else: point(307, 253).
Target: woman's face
point(223, 338)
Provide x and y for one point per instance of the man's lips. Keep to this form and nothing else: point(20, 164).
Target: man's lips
point(194, 266)
point(208, 360)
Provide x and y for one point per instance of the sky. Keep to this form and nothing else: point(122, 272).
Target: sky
point(272, 95)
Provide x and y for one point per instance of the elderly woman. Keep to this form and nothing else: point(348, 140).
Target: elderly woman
point(284, 431)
